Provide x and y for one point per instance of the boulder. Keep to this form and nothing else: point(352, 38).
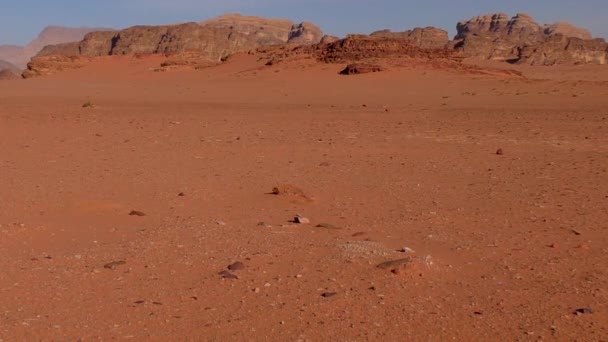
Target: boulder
point(360, 68)
point(305, 33)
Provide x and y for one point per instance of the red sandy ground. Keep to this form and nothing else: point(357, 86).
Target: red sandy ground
point(402, 158)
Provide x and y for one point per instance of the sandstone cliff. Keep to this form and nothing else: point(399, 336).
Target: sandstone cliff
point(210, 41)
point(521, 39)
point(426, 38)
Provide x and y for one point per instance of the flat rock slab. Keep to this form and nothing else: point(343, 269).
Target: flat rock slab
point(114, 264)
point(237, 266)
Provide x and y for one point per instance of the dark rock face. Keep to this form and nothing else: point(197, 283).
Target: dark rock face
point(425, 38)
point(361, 47)
point(522, 40)
point(360, 68)
point(305, 33)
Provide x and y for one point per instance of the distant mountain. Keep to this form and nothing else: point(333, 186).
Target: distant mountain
point(4, 65)
point(213, 39)
point(21, 55)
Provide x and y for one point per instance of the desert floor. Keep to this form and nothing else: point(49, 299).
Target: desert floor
point(500, 246)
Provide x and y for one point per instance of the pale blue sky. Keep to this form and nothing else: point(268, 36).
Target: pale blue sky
point(21, 20)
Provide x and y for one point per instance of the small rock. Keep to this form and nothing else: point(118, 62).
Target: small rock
point(406, 250)
point(328, 294)
point(221, 223)
point(237, 266)
point(500, 152)
point(264, 224)
point(228, 275)
point(553, 245)
point(181, 194)
point(299, 276)
point(137, 213)
point(301, 220)
point(256, 290)
point(114, 264)
point(583, 311)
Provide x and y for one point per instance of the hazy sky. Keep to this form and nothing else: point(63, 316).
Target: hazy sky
point(22, 20)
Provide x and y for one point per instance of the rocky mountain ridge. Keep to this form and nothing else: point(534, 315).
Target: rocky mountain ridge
point(21, 55)
point(518, 39)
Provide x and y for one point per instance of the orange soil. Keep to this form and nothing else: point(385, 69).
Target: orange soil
point(401, 158)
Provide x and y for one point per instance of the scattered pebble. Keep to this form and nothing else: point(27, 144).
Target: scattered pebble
point(237, 266)
point(301, 220)
point(137, 213)
point(114, 264)
point(583, 311)
point(228, 275)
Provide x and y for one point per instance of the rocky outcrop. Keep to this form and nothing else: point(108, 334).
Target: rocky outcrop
point(360, 68)
point(51, 35)
point(559, 49)
point(423, 37)
point(265, 31)
point(521, 39)
point(211, 40)
point(329, 39)
point(49, 65)
point(566, 29)
point(304, 33)
point(360, 47)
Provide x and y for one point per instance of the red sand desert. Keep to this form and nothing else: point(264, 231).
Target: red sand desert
point(120, 219)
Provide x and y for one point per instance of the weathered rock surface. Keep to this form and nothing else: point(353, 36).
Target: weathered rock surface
point(305, 33)
point(521, 39)
point(49, 65)
point(566, 29)
point(329, 39)
point(360, 47)
point(423, 37)
point(360, 68)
